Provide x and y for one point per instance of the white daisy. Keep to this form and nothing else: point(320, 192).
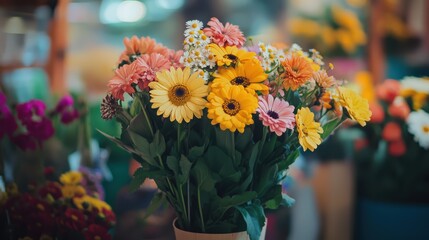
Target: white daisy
point(194, 24)
point(418, 125)
point(416, 84)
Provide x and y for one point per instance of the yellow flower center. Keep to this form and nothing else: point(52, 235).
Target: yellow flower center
point(40, 207)
point(179, 95)
point(74, 218)
point(231, 107)
point(194, 25)
point(243, 81)
point(426, 129)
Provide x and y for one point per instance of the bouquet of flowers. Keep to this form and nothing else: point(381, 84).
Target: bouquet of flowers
point(68, 209)
point(218, 124)
point(392, 155)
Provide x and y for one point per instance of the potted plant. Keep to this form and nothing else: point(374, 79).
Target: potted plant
point(218, 124)
point(392, 167)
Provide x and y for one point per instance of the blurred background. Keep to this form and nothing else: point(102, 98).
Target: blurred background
point(52, 47)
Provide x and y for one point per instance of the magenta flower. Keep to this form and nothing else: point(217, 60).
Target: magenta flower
point(228, 35)
point(31, 110)
point(65, 108)
point(276, 114)
point(7, 121)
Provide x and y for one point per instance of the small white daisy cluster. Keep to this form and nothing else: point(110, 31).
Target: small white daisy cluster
point(197, 55)
point(270, 56)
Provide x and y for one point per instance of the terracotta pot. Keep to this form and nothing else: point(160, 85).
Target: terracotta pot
point(185, 235)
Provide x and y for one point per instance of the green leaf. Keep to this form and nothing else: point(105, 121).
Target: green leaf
point(118, 142)
point(140, 176)
point(329, 127)
point(254, 217)
point(157, 202)
point(203, 176)
point(140, 125)
point(242, 140)
point(185, 167)
point(157, 147)
point(224, 140)
point(238, 199)
point(268, 147)
point(143, 148)
point(273, 197)
point(196, 152)
point(173, 164)
point(135, 108)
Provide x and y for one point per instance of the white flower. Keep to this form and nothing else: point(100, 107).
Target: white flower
point(418, 125)
point(194, 24)
point(416, 84)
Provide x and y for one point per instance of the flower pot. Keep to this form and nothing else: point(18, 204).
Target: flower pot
point(185, 235)
point(382, 220)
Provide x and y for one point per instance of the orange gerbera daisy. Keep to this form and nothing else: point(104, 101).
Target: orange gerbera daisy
point(135, 47)
point(297, 71)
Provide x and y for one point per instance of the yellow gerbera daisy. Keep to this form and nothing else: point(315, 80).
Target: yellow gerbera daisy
point(308, 130)
point(230, 55)
point(232, 108)
point(250, 75)
point(178, 94)
point(88, 202)
point(357, 107)
point(71, 178)
point(70, 191)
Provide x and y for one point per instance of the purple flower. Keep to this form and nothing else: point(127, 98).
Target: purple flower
point(69, 116)
point(30, 110)
point(64, 103)
point(65, 108)
point(25, 142)
point(42, 130)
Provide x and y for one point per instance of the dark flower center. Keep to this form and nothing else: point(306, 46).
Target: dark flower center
point(231, 107)
point(240, 81)
point(273, 114)
point(179, 95)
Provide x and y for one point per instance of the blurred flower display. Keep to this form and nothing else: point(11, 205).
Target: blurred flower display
point(56, 210)
point(392, 155)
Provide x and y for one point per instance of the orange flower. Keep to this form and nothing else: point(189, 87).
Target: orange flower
point(298, 71)
point(143, 45)
point(392, 132)
point(377, 112)
point(397, 148)
point(325, 100)
point(388, 90)
point(323, 80)
point(399, 110)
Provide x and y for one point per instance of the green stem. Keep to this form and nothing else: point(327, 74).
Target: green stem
point(183, 204)
point(233, 146)
point(201, 210)
point(178, 138)
point(146, 116)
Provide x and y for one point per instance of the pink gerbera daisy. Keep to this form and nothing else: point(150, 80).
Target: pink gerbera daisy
point(147, 66)
point(174, 57)
point(135, 47)
point(276, 114)
point(228, 35)
point(122, 82)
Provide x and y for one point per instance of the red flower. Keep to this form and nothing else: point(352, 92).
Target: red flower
point(399, 110)
point(397, 148)
point(360, 144)
point(377, 112)
point(51, 188)
point(74, 219)
point(388, 90)
point(109, 217)
point(97, 232)
point(391, 132)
